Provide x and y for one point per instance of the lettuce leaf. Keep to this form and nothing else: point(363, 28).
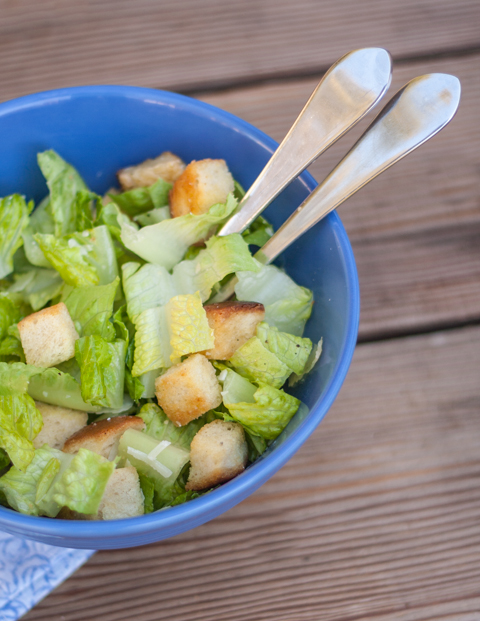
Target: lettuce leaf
point(91, 307)
point(41, 221)
point(165, 243)
point(266, 414)
point(222, 256)
point(15, 377)
point(287, 305)
point(102, 367)
point(140, 200)
point(20, 423)
point(86, 258)
point(20, 487)
point(152, 341)
point(57, 388)
point(11, 347)
point(154, 216)
point(12, 310)
point(258, 233)
point(14, 213)
point(81, 486)
point(188, 325)
point(37, 286)
point(64, 183)
point(146, 287)
point(292, 350)
point(313, 358)
point(255, 362)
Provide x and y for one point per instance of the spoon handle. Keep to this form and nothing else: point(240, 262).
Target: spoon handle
point(349, 89)
point(416, 113)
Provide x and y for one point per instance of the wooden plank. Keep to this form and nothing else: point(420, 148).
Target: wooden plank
point(179, 45)
point(415, 229)
point(375, 517)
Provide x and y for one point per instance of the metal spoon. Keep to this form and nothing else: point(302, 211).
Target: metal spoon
point(346, 93)
point(414, 115)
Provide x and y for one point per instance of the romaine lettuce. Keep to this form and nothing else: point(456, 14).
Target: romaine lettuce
point(91, 307)
point(14, 213)
point(37, 286)
point(291, 350)
point(20, 423)
point(146, 287)
point(165, 243)
point(287, 305)
point(188, 325)
point(140, 200)
point(152, 341)
point(255, 362)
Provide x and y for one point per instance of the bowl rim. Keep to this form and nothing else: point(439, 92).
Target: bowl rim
point(200, 510)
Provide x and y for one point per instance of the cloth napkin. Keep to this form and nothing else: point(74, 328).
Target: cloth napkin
point(30, 570)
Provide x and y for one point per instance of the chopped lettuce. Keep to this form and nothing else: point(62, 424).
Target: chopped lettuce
point(154, 216)
point(140, 200)
point(40, 221)
point(266, 414)
point(188, 325)
point(166, 243)
point(291, 350)
point(64, 183)
point(57, 388)
point(91, 307)
point(20, 423)
point(81, 486)
point(152, 341)
point(258, 233)
point(14, 213)
point(15, 377)
point(146, 287)
point(102, 367)
point(222, 256)
point(12, 309)
point(37, 286)
point(255, 362)
point(287, 305)
point(313, 358)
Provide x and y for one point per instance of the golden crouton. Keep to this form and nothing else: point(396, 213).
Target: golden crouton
point(233, 324)
point(102, 437)
point(58, 424)
point(166, 166)
point(202, 184)
point(122, 498)
point(48, 336)
point(188, 390)
point(218, 453)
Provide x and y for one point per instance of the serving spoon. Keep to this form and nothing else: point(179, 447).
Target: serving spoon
point(346, 93)
point(414, 115)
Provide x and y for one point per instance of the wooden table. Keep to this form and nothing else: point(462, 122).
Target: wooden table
point(378, 515)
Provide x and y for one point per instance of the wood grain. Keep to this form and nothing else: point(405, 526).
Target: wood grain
point(187, 44)
point(375, 517)
point(415, 229)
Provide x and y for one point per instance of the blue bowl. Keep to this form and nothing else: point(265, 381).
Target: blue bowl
point(100, 129)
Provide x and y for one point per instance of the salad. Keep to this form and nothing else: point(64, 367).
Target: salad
point(124, 387)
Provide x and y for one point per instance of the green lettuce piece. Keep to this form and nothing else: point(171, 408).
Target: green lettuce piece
point(86, 258)
point(110, 216)
point(265, 415)
point(159, 214)
point(313, 358)
point(146, 287)
point(160, 427)
point(188, 324)
point(57, 388)
point(287, 305)
point(45, 481)
point(148, 488)
point(37, 286)
point(147, 383)
point(12, 310)
point(82, 484)
point(140, 200)
point(20, 487)
point(14, 213)
point(255, 362)
point(292, 350)
point(91, 307)
point(20, 423)
point(222, 256)
point(4, 460)
point(15, 377)
point(10, 348)
point(152, 341)
point(102, 367)
point(166, 243)
point(40, 221)
point(64, 183)
point(258, 233)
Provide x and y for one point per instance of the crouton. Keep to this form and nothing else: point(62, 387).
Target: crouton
point(102, 437)
point(166, 166)
point(48, 336)
point(218, 453)
point(188, 390)
point(233, 324)
point(58, 424)
point(202, 184)
point(122, 498)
